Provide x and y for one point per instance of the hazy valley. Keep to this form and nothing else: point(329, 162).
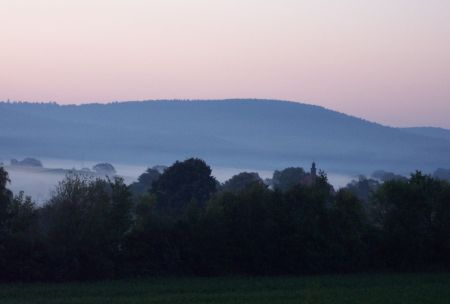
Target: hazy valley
point(232, 136)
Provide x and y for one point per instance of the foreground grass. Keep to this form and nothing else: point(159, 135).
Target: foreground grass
point(386, 288)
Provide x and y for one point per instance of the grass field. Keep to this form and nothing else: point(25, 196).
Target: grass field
point(404, 288)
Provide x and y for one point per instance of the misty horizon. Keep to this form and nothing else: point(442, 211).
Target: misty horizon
point(430, 125)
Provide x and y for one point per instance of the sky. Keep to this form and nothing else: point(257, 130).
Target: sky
point(382, 60)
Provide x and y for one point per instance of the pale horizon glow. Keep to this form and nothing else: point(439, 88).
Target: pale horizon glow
point(385, 61)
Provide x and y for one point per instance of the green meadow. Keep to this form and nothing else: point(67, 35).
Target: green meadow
point(370, 288)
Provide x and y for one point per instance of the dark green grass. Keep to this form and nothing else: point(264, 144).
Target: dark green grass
point(371, 288)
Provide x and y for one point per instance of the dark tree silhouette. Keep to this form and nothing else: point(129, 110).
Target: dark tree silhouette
point(104, 169)
point(145, 181)
point(85, 223)
point(91, 228)
point(183, 183)
point(5, 194)
point(414, 217)
point(241, 181)
point(363, 188)
point(287, 178)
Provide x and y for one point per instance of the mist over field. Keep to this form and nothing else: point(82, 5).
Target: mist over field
point(40, 184)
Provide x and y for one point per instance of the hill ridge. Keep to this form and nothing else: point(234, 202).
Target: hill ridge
point(262, 133)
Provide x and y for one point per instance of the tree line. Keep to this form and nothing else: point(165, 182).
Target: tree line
point(180, 221)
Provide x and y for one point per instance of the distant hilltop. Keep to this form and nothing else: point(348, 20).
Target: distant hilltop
point(241, 133)
point(26, 162)
point(29, 163)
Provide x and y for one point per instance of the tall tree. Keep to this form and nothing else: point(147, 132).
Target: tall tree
point(84, 223)
point(5, 195)
point(414, 217)
point(145, 181)
point(241, 181)
point(287, 178)
point(182, 183)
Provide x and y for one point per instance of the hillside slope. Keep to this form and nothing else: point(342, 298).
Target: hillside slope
point(430, 132)
point(238, 133)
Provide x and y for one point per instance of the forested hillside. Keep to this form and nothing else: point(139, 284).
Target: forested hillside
point(239, 133)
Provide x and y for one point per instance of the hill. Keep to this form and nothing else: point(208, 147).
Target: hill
point(430, 132)
point(264, 134)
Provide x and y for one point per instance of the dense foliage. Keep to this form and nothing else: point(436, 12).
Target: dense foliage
point(187, 223)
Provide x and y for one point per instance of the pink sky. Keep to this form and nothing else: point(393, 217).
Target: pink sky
point(386, 61)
